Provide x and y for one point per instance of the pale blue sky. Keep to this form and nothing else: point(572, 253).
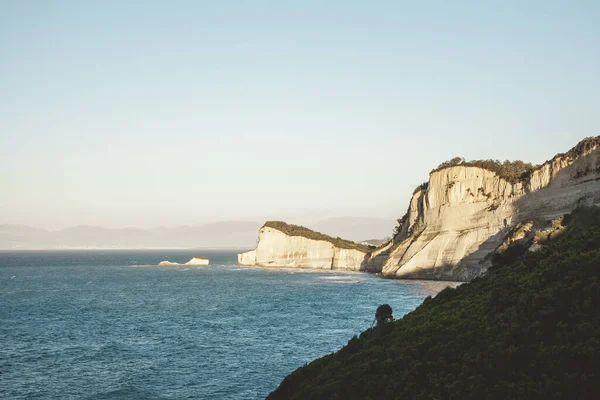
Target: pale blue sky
point(146, 113)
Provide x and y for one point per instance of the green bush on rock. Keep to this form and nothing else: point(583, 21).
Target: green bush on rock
point(297, 230)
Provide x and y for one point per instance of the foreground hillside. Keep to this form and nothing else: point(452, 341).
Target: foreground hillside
point(527, 329)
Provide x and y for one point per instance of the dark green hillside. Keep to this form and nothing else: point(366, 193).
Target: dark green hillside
point(526, 330)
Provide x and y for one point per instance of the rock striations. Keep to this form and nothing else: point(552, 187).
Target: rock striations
point(465, 213)
point(292, 246)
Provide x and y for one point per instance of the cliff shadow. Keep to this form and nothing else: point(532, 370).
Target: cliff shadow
point(574, 186)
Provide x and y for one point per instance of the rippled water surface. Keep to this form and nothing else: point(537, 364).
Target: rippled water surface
point(111, 324)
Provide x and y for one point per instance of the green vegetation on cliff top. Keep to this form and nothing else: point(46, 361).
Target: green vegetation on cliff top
point(514, 171)
point(511, 171)
point(528, 329)
point(297, 230)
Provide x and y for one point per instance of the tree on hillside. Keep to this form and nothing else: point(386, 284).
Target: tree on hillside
point(383, 314)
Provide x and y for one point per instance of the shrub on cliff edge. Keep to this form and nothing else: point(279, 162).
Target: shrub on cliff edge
point(297, 230)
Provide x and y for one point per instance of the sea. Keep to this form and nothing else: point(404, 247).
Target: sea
point(100, 324)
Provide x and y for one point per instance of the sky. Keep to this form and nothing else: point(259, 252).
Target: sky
point(149, 113)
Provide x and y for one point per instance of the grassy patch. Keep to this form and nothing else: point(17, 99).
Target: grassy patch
point(297, 230)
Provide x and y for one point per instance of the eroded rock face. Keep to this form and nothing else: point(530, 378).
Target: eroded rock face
point(277, 249)
point(465, 213)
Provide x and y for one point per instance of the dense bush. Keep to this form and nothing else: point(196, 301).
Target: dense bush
point(528, 329)
point(297, 230)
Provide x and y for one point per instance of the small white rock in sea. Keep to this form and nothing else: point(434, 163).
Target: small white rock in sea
point(196, 261)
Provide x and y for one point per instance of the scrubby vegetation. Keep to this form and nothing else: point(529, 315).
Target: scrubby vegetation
point(512, 171)
point(528, 329)
point(422, 186)
point(581, 148)
point(400, 223)
point(297, 230)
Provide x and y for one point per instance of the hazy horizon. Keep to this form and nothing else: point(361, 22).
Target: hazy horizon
point(221, 234)
point(121, 114)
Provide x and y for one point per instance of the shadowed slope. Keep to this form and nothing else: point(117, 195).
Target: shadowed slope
point(527, 329)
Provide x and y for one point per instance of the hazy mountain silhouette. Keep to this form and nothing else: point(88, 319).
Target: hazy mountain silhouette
point(357, 229)
point(223, 234)
point(233, 234)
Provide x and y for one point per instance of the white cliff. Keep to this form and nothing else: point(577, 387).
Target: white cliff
point(464, 213)
point(290, 246)
point(196, 261)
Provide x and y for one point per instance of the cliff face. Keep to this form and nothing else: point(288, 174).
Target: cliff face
point(465, 213)
point(278, 249)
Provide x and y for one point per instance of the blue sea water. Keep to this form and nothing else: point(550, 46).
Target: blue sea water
point(113, 325)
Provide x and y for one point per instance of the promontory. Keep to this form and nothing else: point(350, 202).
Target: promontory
point(457, 221)
point(292, 246)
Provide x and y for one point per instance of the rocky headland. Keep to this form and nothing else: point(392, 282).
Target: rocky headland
point(456, 221)
point(291, 246)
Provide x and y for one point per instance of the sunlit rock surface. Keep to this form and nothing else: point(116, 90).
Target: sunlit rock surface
point(465, 213)
point(278, 249)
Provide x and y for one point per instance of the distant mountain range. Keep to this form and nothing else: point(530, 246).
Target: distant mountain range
point(357, 229)
point(224, 234)
point(232, 234)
